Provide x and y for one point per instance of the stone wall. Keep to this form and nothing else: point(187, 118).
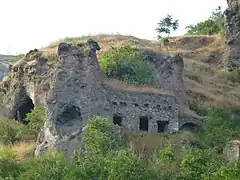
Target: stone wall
point(133, 106)
point(232, 52)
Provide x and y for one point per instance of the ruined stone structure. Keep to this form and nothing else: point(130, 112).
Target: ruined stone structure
point(73, 89)
point(232, 53)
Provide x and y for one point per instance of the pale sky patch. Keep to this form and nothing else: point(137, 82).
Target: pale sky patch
point(29, 24)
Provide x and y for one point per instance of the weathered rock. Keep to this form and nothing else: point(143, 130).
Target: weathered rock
point(232, 151)
point(232, 53)
point(73, 89)
point(168, 74)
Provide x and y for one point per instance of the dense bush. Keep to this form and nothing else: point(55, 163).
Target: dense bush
point(213, 25)
point(10, 131)
point(105, 156)
point(102, 136)
point(35, 120)
point(125, 63)
point(51, 166)
point(221, 126)
point(9, 167)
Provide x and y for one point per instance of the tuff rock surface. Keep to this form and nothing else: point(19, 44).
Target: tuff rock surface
point(72, 88)
point(232, 151)
point(232, 53)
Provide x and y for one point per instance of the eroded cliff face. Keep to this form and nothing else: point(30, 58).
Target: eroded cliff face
point(26, 84)
point(232, 52)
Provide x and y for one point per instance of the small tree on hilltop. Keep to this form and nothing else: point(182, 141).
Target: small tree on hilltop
point(166, 25)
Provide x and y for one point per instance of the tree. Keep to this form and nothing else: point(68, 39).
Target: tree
point(213, 25)
point(166, 25)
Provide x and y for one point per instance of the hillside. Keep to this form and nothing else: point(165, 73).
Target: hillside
point(205, 82)
point(5, 60)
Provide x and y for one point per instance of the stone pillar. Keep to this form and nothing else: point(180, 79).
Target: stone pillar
point(232, 24)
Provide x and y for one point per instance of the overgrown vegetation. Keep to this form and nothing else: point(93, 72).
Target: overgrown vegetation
point(108, 154)
point(213, 25)
point(125, 63)
point(12, 131)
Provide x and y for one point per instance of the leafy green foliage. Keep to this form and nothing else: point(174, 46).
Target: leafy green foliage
point(213, 25)
point(166, 159)
point(126, 165)
point(227, 172)
point(9, 167)
point(221, 126)
point(10, 131)
point(102, 136)
point(35, 120)
point(195, 163)
point(51, 166)
point(125, 63)
point(106, 156)
point(166, 25)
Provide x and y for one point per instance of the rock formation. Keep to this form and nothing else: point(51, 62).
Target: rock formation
point(232, 151)
point(72, 88)
point(232, 53)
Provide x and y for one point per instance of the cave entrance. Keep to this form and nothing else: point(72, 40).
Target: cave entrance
point(190, 127)
point(117, 119)
point(162, 125)
point(26, 107)
point(143, 123)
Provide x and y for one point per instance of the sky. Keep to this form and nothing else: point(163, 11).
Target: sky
point(29, 24)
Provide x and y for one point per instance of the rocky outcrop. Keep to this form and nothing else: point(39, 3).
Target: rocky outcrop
point(168, 74)
point(70, 84)
point(232, 151)
point(232, 53)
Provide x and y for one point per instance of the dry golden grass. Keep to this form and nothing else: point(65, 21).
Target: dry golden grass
point(186, 112)
point(24, 149)
point(148, 144)
point(116, 84)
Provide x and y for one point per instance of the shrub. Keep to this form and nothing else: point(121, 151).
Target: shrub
point(9, 167)
point(221, 126)
point(124, 164)
point(227, 172)
point(88, 166)
point(213, 25)
point(166, 163)
point(49, 166)
point(35, 120)
point(125, 63)
point(102, 136)
point(9, 131)
point(194, 163)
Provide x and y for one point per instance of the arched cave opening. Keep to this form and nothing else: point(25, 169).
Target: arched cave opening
point(191, 127)
point(69, 114)
point(26, 107)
